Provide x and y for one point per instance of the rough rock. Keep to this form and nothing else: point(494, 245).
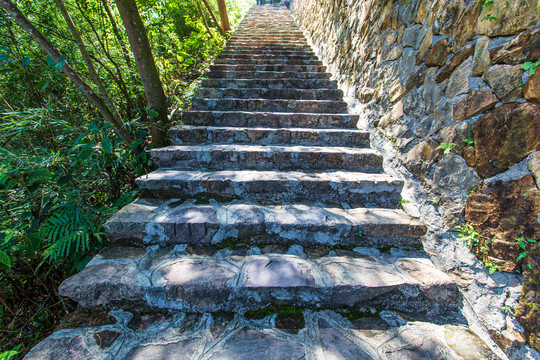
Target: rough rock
point(460, 56)
point(413, 36)
point(534, 167)
point(503, 211)
point(504, 80)
point(481, 58)
point(458, 12)
point(431, 94)
point(392, 116)
point(420, 158)
point(451, 175)
point(531, 89)
point(459, 80)
point(397, 91)
point(473, 104)
point(413, 104)
point(524, 47)
point(455, 134)
point(505, 136)
point(439, 53)
point(519, 15)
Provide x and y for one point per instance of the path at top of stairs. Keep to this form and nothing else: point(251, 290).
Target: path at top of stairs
point(269, 230)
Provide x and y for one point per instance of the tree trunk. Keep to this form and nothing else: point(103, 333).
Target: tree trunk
point(147, 69)
point(45, 44)
point(204, 20)
point(87, 60)
point(207, 5)
point(223, 16)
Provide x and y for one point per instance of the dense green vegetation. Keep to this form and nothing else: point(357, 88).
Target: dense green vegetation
point(63, 170)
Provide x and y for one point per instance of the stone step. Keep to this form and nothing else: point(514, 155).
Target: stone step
point(270, 83)
point(267, 75)
point(268, 93)
point(188, 134)
point(220, 336)
point(277, 105)
point(298, 36)
point(171, 222)
point(355, 189)
point(267, 62)
point(269, 119)
point(258, 48)
point(270, 44)
point(269, 53)
point(276, 67)
point(200, 282)
point(250, 56)
point(267, 157)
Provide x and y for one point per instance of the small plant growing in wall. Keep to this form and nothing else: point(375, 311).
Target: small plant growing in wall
point(445, 147)
point(522, 242)
point(531, 66)
point(487, 6)
point(478, 244)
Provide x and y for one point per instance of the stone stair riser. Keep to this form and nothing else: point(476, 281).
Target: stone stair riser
point(273, 105)
point(301, 84)
point(229, 157)
point(269, 119)
point(193, 135)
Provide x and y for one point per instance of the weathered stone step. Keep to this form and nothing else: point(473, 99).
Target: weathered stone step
point(275, 67)
point(269, 119)
point(250, 56)
point(267, 62)
point(266, 93)
point(172, 222)
point(356, 189)
point(270, 83)
point(222, 337)
point(262, 52)
point(278, 105)
point(267, 75)
point(199, 282)
point(267, 157)
point(188, 134)
point(258, 48)
point(298, 36)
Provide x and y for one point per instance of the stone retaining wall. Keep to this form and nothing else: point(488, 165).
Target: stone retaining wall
point(428, 73)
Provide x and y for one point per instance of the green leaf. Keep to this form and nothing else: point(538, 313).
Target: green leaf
point(93, 128)
point(106, 145)
point(531, 241)
point(38, 175)
point(46, 85)
point(64, 179)
point(3, 57)
point(5, 260)
point(26, 61)
point(521, 256)
point(51, 62)
point(153, 113)
point(61, 63)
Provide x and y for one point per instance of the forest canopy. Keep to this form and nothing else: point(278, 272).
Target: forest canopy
point(77, 119)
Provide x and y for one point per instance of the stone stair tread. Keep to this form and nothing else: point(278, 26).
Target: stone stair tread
point(271, 83)
point(274, 94)
point(166, 222)
point(266, 157)
point(191, 134)
point(269, 119)
point(335, 186)
point(267, 75)
point(200, 281)
point(278, 105)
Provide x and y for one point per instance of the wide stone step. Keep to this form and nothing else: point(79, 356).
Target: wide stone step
point(188, 134)
point(251, 56)
point(262, 52)
point(270, 45)
point(266, 62)
point(223, 337)
point(274, 67)
point(201, 282)
point(268, 93)
point(270, 83)
point(278, 105)
point(356, 189)
point(267, 157)
point(267, 75)
point(299, 37)
point(170, 222)
point(269, 119)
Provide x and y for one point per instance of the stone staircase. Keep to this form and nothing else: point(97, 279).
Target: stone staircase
point(270, 205)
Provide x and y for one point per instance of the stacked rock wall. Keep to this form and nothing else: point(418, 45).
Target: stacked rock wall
point(435, 75)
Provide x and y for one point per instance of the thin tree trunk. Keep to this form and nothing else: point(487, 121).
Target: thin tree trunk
point(98, 102)
point(87, 60)
point(147, 69)
point(207, 5)
point(125, 52)
point(223, 16)
point(204, 20)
